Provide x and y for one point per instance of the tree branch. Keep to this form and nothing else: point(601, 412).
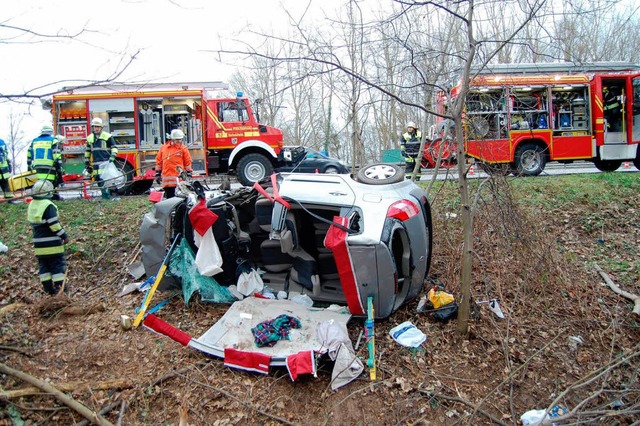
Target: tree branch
point(66, 400)
point(635, 299)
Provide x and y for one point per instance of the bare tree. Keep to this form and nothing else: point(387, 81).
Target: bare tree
point(422, 47)
point(16, 144)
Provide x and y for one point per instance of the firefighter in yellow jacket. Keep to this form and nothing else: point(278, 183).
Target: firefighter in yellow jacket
point(410, 147)
point(172, 159)
point(5, 171)
point(49, 237)
point(45, 157)
point(101, 149)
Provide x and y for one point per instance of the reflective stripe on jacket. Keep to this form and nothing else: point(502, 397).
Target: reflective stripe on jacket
point(101, 148)
point(169, 158)
point(4, 161)
point(410, 144)
point(48, 233)
point(44, 152)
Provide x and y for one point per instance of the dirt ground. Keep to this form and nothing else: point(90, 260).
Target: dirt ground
point(562, 327)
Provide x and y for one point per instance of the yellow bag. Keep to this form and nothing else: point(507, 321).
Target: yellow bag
point(439, 298)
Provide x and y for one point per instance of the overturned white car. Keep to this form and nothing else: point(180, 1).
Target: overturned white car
point(336, 239)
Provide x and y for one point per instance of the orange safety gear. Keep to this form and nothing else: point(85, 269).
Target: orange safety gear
point(171, 156)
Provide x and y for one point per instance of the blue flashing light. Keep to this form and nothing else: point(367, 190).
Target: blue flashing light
point(239, 94)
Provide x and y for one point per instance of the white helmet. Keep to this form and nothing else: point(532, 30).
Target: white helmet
point(97, 122)
point(412, 125)
point(177, 134)
point(47, 129)
point(60, 138)
point(42, 189)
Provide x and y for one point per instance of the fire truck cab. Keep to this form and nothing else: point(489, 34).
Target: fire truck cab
point(518, 117)
point(220, 129)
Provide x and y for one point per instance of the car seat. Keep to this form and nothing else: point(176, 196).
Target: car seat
point(304, 270)
point(276, 262)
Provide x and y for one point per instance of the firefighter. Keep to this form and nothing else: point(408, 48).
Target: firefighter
point(612, 109)
point(45, 157)
point(101, 149)
point(172, 160)
point(409, 146)
point(5, 171)
point(49, 237)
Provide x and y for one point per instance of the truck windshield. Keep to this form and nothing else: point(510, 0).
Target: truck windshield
point(233, 111)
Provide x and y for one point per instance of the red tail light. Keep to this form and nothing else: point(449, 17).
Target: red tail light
point(402, 210)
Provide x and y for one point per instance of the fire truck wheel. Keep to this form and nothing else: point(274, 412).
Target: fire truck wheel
point(380, 174)
point(128, 172)
point(607, 165)
point(530, 159)
point(253, 168)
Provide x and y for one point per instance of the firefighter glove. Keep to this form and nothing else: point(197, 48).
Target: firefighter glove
point(89, 169)
point(158, 177)
point(189, 173)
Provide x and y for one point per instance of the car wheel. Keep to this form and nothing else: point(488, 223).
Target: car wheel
point(530, 159)
point(607, 165)
point(124, 182)
point(331, 170)
point(636, 161)
point(253, 168)
point(380, 174)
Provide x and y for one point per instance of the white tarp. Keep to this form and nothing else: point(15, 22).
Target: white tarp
point(233, 330)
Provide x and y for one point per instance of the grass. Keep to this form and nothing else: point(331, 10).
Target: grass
point(552, 192)
point(605, 206)
point(599, 212)
point(88, 223)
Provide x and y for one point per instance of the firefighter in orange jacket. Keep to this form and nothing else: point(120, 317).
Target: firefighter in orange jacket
point(172, 159)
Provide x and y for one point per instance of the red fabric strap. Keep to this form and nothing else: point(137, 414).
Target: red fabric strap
point(336, 241)
point(162, 327)
point(249, 361)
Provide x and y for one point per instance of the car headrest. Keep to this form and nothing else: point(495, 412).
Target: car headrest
point(264, 208)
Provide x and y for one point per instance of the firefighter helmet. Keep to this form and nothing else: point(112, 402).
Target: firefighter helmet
point(177, 134)
point(42, 189)
point(47, 129)
point(412, 125)
point(97, 122)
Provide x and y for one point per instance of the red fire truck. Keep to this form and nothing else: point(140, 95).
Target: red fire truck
point(220, 130)
point(518, 117)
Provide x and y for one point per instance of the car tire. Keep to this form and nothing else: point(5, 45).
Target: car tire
point(380, 174)
point(607, 165)
point(331, 170)
point(253, 168)
point(530, 160)
point(636, 161)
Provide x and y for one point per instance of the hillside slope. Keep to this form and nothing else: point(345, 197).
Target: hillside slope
point(536, 243)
